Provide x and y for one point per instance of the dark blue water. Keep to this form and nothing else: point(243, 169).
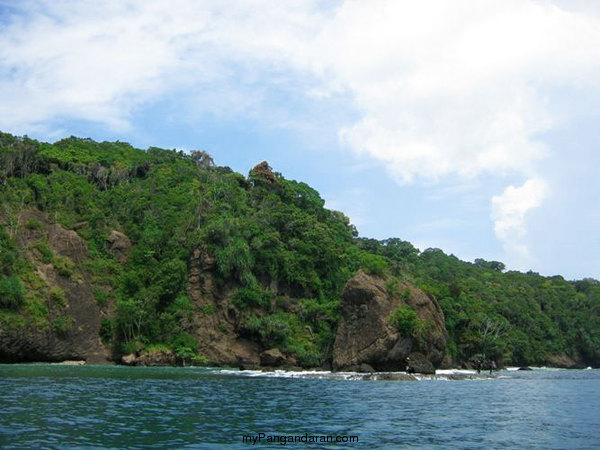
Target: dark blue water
point(50, 406)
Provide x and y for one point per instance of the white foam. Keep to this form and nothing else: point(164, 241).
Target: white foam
point(441, 375)
point(455, 372)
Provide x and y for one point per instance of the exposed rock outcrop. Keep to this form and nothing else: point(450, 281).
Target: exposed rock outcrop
point(73, 328)
point(418, 363)
point(119, 244)
point(214, 323)
point(272, 357)
point(160, 357)
point(366, 336)
point(262, 171)
point(567, 362)
point(275, 358)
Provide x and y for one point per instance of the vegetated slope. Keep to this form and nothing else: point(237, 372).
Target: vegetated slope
point(169, 253)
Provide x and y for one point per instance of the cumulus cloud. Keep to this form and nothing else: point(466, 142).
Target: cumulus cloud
point(441, 89)
point(509, 211)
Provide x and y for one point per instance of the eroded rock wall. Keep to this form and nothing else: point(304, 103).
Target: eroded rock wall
point(366, 336)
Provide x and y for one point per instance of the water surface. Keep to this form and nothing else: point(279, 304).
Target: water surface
point(53, 406)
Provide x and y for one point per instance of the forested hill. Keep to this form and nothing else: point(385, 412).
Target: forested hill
point(108, 250)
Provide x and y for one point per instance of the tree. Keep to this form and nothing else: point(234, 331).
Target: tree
point(202, 159)
point(490, 332)
point(491, 265)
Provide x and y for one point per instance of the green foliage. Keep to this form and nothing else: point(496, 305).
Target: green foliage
point(185, 347)
point(272, 330)
point(63, 265)
point(208, 309)
point(391, 286)
point(406, 321)
point(291, 334)
point(373, 264)
point(185, 353)
point(199, 360)
point(101, 297)
point(46, 253)
point(256, 297)
point(63, 324)
point(57, 296)
point(107, 329)
point(34, 224)
point(254, 232)
point(11, 292)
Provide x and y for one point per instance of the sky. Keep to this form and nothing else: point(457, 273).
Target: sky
point(470, 126)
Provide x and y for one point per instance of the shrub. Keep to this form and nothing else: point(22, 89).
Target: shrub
point(200, 360)
point(271, 330)
point(63, 324)
point(101, 297)
point(184, 341)
point(57, 296)
point(405, 296)
point(208, 309)
point(46, 253)
point(392, 287)
point(107, 329)
point(244, 298)
point(63, 265)
point(405, 320)
point(7, 259)
point(11, 292)
point(373, 264)
point(185, 353)
point(34, 224)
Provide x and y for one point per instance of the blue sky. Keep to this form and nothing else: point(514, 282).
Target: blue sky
point(470, 126)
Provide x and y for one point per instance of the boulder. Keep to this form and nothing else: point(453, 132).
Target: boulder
point(417, 363)
point(272, 357)
point(365, 368)
point(393, 376)
point(567, 362)
point(119, 244)
point(128, 360)
point(161, 357)
point(365, 334)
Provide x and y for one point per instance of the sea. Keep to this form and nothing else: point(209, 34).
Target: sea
point(66, 407)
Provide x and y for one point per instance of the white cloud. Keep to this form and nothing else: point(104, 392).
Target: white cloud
point(442, 89)
point(457, 87)
point(509, 211)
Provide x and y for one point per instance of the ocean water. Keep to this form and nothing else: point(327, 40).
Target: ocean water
point(54, 406)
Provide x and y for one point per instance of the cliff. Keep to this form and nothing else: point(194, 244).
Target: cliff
point(108, 251)
point(368, 337)
point(66, 324)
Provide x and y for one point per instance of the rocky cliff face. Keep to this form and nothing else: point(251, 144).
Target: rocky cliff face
point(367, 338)
point(71, 328)
point(214, 322)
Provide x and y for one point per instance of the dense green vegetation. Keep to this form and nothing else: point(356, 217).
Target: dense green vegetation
point(520, 317)
point(280, 257)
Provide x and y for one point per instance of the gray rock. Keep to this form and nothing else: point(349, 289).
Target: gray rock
point(366, 336)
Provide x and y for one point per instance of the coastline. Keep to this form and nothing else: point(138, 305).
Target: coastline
point(266, 372)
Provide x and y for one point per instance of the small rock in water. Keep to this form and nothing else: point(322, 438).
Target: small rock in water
point(128, 360)
point(417, 363)
point(365, 368)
